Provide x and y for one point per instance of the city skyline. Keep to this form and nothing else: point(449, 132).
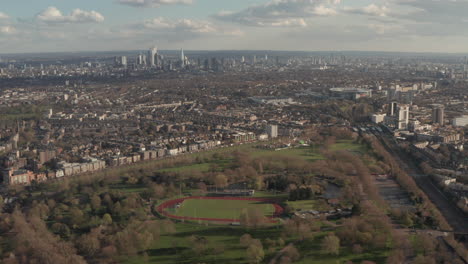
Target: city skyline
point(295, 25)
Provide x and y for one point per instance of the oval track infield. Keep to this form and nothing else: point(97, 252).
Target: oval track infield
point(162, 208)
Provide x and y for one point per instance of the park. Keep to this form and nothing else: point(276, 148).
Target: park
point(249, 203)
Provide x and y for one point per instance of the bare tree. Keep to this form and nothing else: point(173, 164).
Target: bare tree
point(245, 240)
point(331, 245)
point(255, 253)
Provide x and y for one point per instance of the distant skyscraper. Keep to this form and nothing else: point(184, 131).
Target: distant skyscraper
point(141, 59)
point(392, 108)
point(438, 115)
point(207, 65)
point(272, 131)
point(403, 116)
point(182, 58)
point(243, 59)
point(152, 53)
point(255, 59)
point(215, 64)
point(123, 61)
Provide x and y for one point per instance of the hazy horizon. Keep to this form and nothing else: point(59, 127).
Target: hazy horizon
point(188, 51)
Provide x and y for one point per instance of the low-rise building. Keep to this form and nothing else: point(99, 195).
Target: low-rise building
point(350, 93)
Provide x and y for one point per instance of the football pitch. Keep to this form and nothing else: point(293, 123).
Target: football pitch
point(230, 209)
point(217, 209)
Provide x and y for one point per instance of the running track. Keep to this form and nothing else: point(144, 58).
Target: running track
point(162, 208)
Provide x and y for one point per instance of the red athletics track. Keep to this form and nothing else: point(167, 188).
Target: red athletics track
point(161, 208)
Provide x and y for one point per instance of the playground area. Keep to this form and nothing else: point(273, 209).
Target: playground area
point(217, 209)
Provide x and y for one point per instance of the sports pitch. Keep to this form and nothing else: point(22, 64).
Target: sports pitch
point(217, 209)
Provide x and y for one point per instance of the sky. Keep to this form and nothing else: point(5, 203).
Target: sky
point(306, 25)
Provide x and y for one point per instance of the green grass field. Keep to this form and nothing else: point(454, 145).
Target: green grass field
point(175, 248)
point(202, 167)
point(350, 146)
point(317, 205)
point(229, 209)
point(306, 153)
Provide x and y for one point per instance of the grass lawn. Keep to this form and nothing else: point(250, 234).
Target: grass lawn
point(306, 153)
point(128, 188)
point(309, 153)
point(175, 248)
point(317, 205)
point(230, 209)
point(220, 164)
point(202, 167)
point(350, 146)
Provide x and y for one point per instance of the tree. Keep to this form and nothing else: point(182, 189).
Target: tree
point(198, 244)
point(252, 217)
point(107, 219)
point(423, 260)
point(220, 180)
point(297, 227)
point(117, 209)
point(424, 244)
point(291, 252)
point(396, 257)
point(406, 219)
point(38, 244)
point(108, 201)
point(357, 249)
point(285, 260)
point(61, 229)
point(109, 251)
point(125, 242)
point(95, 202)
point(77, 217)
point(88, 244)
point(280, 242)
point(255, 253)
point(202, 187)
point(158, 191)
point(331, 245)
point(245, 240)
point(270, 243)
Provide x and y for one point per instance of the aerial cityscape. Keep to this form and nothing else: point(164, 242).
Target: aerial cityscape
point(222, 132)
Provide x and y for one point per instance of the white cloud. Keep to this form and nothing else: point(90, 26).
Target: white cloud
point(382, 29)
point(434, 11)
point(7, 30)
point(371, 10)
point(154, 3)
point(52, 35)
point(281, 13)
point(4, 16)
point(182, 29)
point(179, 25)
point(288, 22)
point(321, 10)
point(54, 15)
